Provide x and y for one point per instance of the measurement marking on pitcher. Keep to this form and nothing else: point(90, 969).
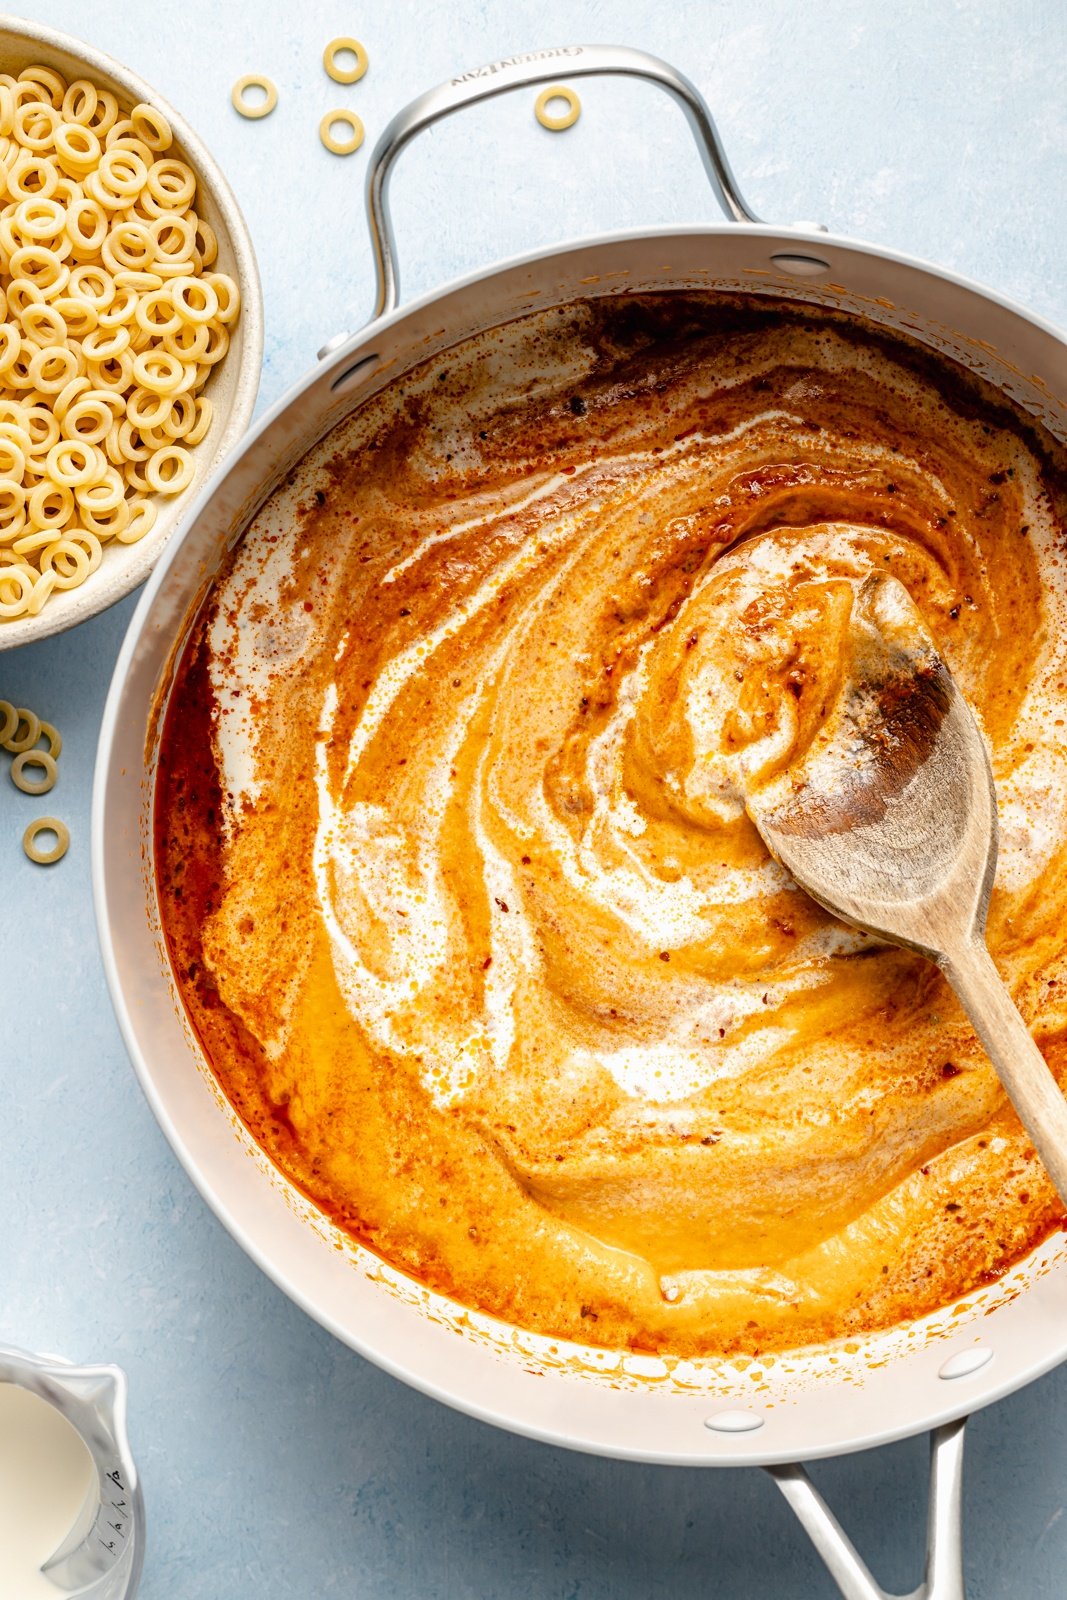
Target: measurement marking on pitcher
point(120, 1509)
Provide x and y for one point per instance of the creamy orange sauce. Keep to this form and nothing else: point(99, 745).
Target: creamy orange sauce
point(453, 854)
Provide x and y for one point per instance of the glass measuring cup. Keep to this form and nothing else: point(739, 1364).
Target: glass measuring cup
point(102, 1557)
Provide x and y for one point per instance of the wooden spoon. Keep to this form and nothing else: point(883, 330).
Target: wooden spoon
point(889, 820)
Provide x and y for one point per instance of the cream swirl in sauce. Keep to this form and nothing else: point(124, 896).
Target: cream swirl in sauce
point(489, 956)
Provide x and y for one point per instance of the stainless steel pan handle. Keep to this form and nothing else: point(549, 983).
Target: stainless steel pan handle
point(943, 1578)
point(518, 72)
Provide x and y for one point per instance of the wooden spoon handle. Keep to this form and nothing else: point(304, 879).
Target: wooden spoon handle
point(1023, 1071)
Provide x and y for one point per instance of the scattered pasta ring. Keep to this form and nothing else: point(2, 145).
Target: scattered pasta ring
point(46, 858)
point(249, 108)
point(555, 123)
point(54, 737)
point(341, 74)
point(10, 723)
point(341, 147)
point(34, 758)
point(16, 742)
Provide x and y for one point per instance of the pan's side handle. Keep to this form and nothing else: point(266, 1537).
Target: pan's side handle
point(518, 72)
point(943, 1578)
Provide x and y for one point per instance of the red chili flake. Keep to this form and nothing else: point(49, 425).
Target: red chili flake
point(950, 1070)
point(487, 963)
point(952, 1205)
point(665, 955)
point(525, 860)
point(501, 903)
point(308, 606)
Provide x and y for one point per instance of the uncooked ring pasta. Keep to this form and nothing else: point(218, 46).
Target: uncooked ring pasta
point(112, 317)
point(151, 127)
point(55, 739)
point(10, 722)
point(201, 420)
point(72, 462)
point(159, 371)
point(553, 121)
point(142, 516)
point(16, 590)
point(49, 506)
point(169, 470)
point(30, 759)
point(341, 147)
point(48, 856)
point(195, 300)
point(252, 109)
point(70, 560)
point(334, 69)
point(17, 740)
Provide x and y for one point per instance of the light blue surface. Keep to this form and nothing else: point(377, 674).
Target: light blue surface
point(275, 1462)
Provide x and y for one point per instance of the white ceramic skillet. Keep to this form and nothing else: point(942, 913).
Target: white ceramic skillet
point(770, 1412)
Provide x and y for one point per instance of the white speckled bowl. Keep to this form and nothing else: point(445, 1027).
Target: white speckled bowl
point(233, 386)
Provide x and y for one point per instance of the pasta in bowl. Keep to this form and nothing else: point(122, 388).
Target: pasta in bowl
point(130, 329)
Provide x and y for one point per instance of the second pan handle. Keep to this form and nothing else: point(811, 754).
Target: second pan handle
point(518, 72)
point(943, 1578)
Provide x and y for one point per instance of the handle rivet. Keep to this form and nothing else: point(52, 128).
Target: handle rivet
point(966, 1362)
point(734, 1422)
point(800, 266)
point(359, 369)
